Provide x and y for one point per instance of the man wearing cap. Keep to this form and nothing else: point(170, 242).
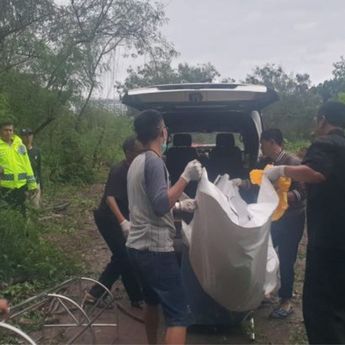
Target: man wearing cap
point(16, 175)
point(35, 159)
point(323, 171)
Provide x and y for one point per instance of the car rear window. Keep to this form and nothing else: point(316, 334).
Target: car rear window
point(209, 139)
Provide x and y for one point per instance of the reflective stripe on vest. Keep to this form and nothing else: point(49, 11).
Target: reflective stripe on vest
point(30, 178)
point(7, 177)
point(22, 176)
point(10, 177)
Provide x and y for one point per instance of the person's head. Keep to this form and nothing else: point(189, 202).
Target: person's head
point(271, 142)
point(6, 130)
point(150, 127)
point(330, 115)
point(131, 147)
point(27, 136)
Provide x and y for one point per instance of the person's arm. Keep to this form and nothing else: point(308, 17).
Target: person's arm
point(111, 202)
point(175, 192)
point(316, 167)
point(304, 173)
point(161, 196)
point(39, 170)
point(31, 181)
point(4, 308)
point(116, 188)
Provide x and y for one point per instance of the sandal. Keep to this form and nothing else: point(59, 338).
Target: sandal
point(98, 302)
point(281, 313)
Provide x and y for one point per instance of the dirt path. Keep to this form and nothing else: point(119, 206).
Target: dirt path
point(95, 255)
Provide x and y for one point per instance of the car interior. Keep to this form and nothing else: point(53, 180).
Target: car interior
point(225, 143)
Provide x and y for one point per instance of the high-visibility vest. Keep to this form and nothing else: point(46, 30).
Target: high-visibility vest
point(16, 166)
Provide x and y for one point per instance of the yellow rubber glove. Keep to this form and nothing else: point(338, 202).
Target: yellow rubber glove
point(282, 186)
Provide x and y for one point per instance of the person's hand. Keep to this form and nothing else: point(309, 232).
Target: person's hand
point(192, 171)
point(4, 308)
point(236, 182)
point(187, 205)
point(275, 172)
point(125, 227)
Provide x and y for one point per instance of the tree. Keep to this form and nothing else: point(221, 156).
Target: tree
point(330, 89)
point(65, 48)
point(298, 102)
point(162, 72)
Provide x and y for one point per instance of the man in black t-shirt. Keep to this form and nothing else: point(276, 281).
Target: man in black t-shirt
point(34, 153)
point(323, 170)
point(112, 222)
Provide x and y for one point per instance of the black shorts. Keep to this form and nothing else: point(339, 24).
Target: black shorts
point(160, 276)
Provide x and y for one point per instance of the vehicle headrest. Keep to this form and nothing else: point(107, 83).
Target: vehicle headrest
point(225, 140)
point(182, 140)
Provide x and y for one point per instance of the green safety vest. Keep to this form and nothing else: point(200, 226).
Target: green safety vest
point(16, 166)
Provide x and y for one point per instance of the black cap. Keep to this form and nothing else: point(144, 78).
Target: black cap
point(26, 131)
point(334, 112)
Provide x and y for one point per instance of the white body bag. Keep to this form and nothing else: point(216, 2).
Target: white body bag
point(230, 246)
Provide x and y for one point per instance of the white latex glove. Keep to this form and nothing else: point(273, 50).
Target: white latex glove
point(236, 182)
point(187, 205)
point(192, 171)
point(274, 173)
point(125, 227)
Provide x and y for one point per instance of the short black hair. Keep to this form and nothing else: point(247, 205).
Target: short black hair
point(334, 112)
point(274, 134)
point(6, 122)
point(146, 125)
point(130, 144)
point(26, 131)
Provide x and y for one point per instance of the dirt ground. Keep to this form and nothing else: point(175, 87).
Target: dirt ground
point(95, 254)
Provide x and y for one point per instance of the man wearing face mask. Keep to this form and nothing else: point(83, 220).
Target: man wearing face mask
point(150, 240)
point(323, 171)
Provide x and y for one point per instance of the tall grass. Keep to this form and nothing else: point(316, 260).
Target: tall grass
point(25, 255)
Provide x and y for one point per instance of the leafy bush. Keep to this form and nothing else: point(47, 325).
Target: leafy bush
point(24, 255)
point(72, 156)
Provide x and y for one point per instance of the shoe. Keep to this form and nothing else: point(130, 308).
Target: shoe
point(138, 304)
point(268, 301)
point(98, 302)
point(281, 312)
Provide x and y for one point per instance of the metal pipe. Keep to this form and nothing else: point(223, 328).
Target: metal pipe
point(17, 331)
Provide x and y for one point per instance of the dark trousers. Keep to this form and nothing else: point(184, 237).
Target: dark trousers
point(286, 235)
point(119, 264)
point(324, 296)
point(13, 198)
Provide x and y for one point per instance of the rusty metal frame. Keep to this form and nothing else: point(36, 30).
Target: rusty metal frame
point(57, 298)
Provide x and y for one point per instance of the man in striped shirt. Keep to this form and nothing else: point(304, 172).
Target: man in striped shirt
point(150, 239)
point(287, 231)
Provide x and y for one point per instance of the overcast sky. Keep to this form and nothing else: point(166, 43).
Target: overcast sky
point(304, 36)
point(236, 35)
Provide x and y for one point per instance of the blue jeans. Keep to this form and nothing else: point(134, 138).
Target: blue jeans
point(160, 277)
point(286, 235)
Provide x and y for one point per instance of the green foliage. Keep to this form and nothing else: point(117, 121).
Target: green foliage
point(162, 72)
point(297, 146)
point(341, 97)
point(73, 156)
point(25, 255)
point(27, 101)
point(297, 104)
point(331, 88)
